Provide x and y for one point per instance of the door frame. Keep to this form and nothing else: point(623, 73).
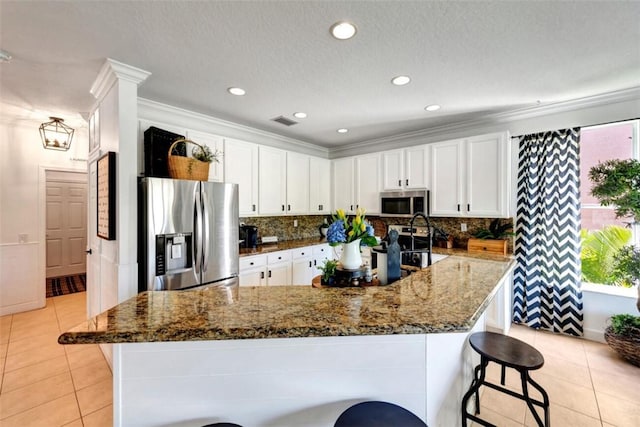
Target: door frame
point(42, 221)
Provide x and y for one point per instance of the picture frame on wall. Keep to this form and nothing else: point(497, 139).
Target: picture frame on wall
point(106, 196)
point(94, 131)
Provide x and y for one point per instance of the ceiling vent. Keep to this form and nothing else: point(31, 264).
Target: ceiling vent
point(284, 121)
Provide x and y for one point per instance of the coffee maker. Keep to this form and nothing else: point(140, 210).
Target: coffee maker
point(248, 236)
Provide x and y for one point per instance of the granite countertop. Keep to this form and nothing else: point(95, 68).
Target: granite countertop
point(449, 296)
point(282, 246)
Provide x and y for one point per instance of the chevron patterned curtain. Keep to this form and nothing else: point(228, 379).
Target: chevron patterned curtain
point(547, 277)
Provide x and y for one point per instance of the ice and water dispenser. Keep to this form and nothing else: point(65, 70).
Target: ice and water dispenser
point(173, 253)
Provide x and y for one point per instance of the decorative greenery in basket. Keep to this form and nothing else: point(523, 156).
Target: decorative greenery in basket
point(496, 230)
point(624, 337)
point(195, 167)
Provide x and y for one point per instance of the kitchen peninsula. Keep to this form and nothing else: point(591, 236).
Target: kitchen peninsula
point(299, 356)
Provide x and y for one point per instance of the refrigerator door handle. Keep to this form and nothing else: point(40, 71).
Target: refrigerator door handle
point(206, 223)
point(197, 230)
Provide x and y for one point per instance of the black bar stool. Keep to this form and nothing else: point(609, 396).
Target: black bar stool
point(378, 414)
point(508, 353)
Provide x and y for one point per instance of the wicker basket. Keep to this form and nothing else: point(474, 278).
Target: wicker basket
point(628, 347)
point(181, 167)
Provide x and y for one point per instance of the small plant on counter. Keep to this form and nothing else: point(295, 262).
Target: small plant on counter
point(496, 231)
point(343, 230)
point(328, 269)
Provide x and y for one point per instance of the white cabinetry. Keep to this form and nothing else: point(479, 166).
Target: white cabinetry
point(273, 181)
point(405, 169)
point(356, 183)
point(319, 185)
point(470, 177)
point(320, 254)
point(241, 167)
point(215, 144)
point(297, 183)
point(302, 267)
point(269, 269)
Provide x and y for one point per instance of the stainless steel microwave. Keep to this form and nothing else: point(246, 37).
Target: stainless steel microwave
point(404, 203)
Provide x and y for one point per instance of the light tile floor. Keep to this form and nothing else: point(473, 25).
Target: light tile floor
point(43, 383)
point(47, 384)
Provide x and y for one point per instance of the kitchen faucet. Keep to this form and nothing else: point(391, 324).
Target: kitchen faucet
point(429, 247)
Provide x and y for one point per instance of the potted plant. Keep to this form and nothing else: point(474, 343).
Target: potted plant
point(195, 167)
point(328, 269)
point(351, 234)
point(492, 239)
point(617, 182)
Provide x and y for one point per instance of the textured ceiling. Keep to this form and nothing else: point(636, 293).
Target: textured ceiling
point(473, 58)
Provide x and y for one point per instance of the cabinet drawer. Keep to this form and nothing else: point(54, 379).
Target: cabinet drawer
point(252, 261)
point(320, 250)
point(279, 256)
point(305, 252)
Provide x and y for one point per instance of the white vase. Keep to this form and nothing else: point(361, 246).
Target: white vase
point(351, 258)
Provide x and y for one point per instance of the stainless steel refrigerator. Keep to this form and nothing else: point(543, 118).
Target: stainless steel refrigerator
point(188, 234)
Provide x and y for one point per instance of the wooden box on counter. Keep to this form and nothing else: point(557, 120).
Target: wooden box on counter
point(487, 245)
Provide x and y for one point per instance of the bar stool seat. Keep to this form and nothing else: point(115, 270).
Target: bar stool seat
point(508, 352)
point(223, 425)
point(378, 414)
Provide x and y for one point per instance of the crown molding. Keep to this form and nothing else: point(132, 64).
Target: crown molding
point(164, 113)
point(486, 123)
point(113, 71)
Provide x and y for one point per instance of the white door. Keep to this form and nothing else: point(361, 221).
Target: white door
point(301, 271)
point(343, 184)
point(319, 185)
point(94, 306)
point(273, 181)
point(486, 176)
point(415, 167)
point(368, 183)
point(446, 178)
point(297, 183)
point(392, 173)
point(66, 223)
point(279, 274)
point(241, 167)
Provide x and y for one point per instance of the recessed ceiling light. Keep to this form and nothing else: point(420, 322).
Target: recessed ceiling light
point(400, 80)
point(300, 115)
point(343, 30)
point(342, 130)
point(236, 91)
point(433, 107)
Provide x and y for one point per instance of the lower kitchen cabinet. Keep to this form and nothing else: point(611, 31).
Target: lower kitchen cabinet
point(267, 269)
point(302, 266)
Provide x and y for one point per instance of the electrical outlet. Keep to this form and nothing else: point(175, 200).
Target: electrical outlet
point(463, 227)
point(295, 222)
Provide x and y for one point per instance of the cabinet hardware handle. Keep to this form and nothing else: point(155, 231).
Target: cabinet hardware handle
point(288, 207)
point(351, 206)
point(315, 262)
point(89, 252)
point(407, 182)
point(283, 208)
point(357, 206)
point(250, 263)
point(302, 253)
point(269, 273)
point(399, 183)
point(458, 207)
point(468, 207)
point(253, 208)
point(319, 207)
point(262, 274)
point(279, 257)
point(309, 264)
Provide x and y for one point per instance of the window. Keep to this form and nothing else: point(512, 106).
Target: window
point(598, 144)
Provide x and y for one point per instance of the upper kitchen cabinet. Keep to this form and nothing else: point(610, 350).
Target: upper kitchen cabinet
point(241, 167)
point(319, 186)
point(356, 183)
point(470, 177)
point(215, 144)
point(272, 172)
point(405, 169)
point(298, 190)
point(367, 183)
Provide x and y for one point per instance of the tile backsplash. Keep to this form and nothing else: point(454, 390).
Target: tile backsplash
point(309, 226)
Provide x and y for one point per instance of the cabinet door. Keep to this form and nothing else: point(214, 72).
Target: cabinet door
point(215, 144)
point(241, 167)
point(320, 254)
point(415, 167)
point(343, 173)
point(279, 274)
point(368, 183)
point(297, 183)
point(252, 277)
point(272, 171)
point(486, 176)
point(446, 178)
point(319, 185)
point(302, 271)
point(392, 170)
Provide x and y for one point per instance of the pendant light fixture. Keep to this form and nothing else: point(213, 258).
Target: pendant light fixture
point(56, 135)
